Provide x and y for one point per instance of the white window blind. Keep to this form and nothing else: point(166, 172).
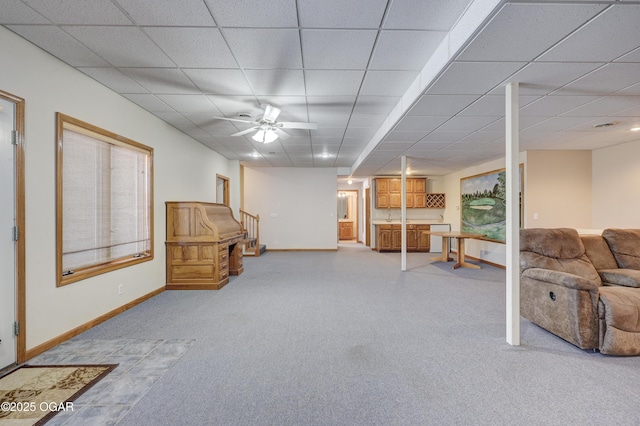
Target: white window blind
point(106, 200)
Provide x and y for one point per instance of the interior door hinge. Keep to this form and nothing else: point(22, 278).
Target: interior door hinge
point(16, 233)
point(16, 328)
point(14, 137)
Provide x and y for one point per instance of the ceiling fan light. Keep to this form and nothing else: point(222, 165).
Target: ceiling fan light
point(265, 136)
point(259, 136)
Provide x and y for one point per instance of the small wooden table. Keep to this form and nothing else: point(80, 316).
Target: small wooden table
point(446, 247)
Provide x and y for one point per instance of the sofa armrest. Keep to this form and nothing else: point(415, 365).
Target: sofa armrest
point(561, 278)
point(620, 276)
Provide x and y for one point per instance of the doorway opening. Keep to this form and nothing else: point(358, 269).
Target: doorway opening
point(348, 224)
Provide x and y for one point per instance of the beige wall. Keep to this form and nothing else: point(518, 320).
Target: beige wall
point(297, 206)
point(616, 186)
point(558, 189)
point(184, 170)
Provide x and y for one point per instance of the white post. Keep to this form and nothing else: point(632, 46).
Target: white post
point(403, 212)
point(512, 151)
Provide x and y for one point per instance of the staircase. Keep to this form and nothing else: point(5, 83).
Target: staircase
point(251, 226)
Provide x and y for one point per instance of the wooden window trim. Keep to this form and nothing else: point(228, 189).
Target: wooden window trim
point(63, 121)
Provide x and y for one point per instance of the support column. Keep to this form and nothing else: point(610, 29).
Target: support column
point(403, 212)
point(512, 151)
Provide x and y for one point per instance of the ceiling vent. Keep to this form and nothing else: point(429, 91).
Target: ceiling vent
point(603, 125)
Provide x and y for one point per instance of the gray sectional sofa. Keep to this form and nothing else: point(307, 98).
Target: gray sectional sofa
point(585, 289)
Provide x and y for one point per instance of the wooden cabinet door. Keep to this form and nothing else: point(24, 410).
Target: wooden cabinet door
point(424, 240)
point(384, 239)
point(382, 200)
point(412, 240)
point(395, 185)
point(419, 200)
point(420, 185)
point(396, 239)
point(382, 185)
point(395, 200)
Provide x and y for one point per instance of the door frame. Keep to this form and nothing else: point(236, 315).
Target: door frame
point(20, 279)
point(225, 189)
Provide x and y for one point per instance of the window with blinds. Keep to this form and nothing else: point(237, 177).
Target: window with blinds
point(104, 201)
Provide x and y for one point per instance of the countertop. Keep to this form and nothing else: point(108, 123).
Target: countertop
point(409, 222)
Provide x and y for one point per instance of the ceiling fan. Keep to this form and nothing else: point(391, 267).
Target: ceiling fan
point(267, 128)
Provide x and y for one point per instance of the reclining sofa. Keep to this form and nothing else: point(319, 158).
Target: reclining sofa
point(585, 289)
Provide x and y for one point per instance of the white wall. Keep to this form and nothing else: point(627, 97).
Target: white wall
point(616, 186)
point(558, 190)
point(183, 170)
point(297, 206)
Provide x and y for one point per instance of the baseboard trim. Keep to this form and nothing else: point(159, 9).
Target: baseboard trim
point(335, 249)
point(30, 353)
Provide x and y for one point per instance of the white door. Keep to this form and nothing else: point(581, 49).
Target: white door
point(8, 342)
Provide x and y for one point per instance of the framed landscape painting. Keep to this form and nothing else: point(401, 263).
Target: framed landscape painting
point(483, 204)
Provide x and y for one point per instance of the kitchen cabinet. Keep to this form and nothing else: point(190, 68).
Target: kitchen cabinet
point(389, 237)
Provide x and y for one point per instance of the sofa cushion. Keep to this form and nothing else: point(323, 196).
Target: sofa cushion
point(556, 249)
point(619, 276)
point(597, 250)
point(625, 246)
point(619, 320)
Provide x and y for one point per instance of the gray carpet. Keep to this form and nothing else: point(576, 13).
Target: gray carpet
point(345, 338)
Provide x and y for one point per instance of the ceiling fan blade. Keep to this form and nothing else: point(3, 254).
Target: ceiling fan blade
point(271, 113)
point(244, 132)
point(236, 119)
point(297, 125)
point(282, 134)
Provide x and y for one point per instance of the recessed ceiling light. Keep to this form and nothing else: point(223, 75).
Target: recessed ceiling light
point(325, 155)
point(635, 129)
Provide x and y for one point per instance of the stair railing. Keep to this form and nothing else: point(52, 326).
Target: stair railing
point(251, 225)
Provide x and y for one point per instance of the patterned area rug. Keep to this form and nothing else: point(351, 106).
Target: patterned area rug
point(32, 394)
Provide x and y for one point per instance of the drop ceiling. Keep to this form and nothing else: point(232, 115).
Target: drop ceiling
point(381, 78)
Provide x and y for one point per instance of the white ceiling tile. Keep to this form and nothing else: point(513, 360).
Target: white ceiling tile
point(423, 123)
point(149, 102)
point(441, 104)
point(593, 42)
point(219, 81)
point(121, 46)
point(633, 56)
point(328, 132)
point(333, 82)
point(161, 80)
point(387, 83)
point(193, 47)
point(467, 123)
point(404, 50)
point(276, 82)
point(558, 124)
point(232, 105)
point(355, 142)
point(472, 77)
point(60, 44)
point(605, 80)
point(272, 13)
point(328, 119)
point(189, 13)
point(375, 104)
point(425, 15)
point(341, 13)
point(541, 78)
point(360, 132)
point(550, 106)
point(531, 29)
point(493, 105)
point(450, 136)
point(337, 49)
point(483, 137)
point(605, 106)
point(188, 103)
point(367, 120)
point(114, 79)
point(265, 48)
point(16, 12)
point(404, 136)
point(100, 12)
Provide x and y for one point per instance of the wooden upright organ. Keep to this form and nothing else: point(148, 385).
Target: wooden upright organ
point(204, 245)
